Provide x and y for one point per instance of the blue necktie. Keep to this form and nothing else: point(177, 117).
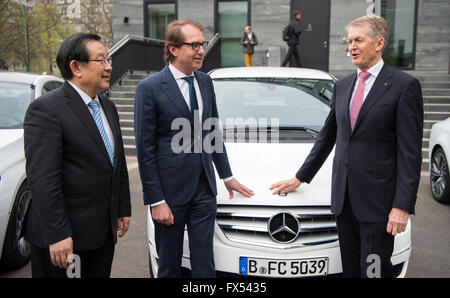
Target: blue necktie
point(192, 95)
point(94, 105)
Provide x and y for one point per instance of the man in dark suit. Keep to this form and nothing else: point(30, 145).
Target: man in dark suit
point(376, 122)
point(76, 168)
point(295, 30)
point(249, 41)
point(180, 185)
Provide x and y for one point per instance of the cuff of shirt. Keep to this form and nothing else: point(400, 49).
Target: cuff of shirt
point(157, 203)
point(227, 179)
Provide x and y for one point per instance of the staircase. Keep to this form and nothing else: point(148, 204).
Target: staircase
point(123, 97)
point(435, 88)
point(436, 103)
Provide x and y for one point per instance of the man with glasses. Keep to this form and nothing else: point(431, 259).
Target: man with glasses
point(181, 187)
point(76, 168)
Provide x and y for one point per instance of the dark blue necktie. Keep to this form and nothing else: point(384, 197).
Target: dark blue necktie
point(192, 95)
point(193, 103)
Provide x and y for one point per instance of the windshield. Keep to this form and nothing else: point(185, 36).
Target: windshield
point(14, 101)
point(296, 103)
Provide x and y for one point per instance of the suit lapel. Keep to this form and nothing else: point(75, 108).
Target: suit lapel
point(205, 95)
point(348, 97)
point(379, 87)
point(82, 111)
point(170, 87)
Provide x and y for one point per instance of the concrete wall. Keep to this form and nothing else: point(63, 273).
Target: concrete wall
point(433, 35)
point(134, 10)
point(342, 12)
point(199, 10)
point(268, 17)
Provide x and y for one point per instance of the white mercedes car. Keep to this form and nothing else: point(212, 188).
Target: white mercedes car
point(17, 90)
point(439, 152)
point(270, 118)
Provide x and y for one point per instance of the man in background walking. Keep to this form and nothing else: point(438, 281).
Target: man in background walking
point(294, 39)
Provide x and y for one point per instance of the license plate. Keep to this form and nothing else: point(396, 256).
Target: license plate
point(283, 268)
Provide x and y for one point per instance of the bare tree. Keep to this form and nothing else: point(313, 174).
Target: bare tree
point(97, 18)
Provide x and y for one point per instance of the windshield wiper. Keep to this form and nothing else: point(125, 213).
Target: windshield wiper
point(313, 132)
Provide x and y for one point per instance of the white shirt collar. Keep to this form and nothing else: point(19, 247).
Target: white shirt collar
point(178, 74)
point(86, 98)
point(374, 70)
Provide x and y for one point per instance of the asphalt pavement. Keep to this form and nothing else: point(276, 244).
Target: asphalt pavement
point(430, 256)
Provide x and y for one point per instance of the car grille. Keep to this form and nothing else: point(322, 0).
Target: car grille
point(249, 224)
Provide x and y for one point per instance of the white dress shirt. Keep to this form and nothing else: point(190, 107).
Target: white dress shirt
point(184, 88)
point(374, 72)
point(87, 99)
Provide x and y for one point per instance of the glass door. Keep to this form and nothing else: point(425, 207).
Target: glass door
point(231, 19)
point(401, 18)
point(157, 16)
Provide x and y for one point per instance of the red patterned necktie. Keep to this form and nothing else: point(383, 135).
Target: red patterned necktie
point(358, 99)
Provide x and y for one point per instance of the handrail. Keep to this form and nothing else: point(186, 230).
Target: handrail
point(134, 52)
point(212, 43)
point(129, 37)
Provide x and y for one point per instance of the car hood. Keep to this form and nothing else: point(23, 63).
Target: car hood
point(259, 165)
point(9, 138)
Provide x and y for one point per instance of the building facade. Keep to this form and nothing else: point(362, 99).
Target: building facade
point(419, 29)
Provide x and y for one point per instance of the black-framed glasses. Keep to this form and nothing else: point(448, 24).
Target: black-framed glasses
point(104, 62)
point(196, 45)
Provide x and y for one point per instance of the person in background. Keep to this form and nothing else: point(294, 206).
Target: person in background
point(295, 30)
point(248, 41)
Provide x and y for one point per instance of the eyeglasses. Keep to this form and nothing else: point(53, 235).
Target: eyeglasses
point(196, 45)
point(103, 61)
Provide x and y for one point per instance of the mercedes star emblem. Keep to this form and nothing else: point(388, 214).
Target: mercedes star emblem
point(283, 227)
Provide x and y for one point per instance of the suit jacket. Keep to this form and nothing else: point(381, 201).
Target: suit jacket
point(75, 190)
point(165, 174)
point(249, 48)
point(379, 162)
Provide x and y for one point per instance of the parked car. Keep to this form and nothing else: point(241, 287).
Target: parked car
point(17, 90)
point(439, 151)
point(281, 111)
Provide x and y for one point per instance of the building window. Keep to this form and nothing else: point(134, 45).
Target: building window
point(231, 18)
point(157, 15)
point(401, 16)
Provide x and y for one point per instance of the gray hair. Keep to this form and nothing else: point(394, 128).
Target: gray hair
point(377, 26)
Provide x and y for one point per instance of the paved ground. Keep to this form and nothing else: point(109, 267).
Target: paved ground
point(431, 237)
point(430, 253)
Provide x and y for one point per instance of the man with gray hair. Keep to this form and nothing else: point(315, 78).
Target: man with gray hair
point(376, 122)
